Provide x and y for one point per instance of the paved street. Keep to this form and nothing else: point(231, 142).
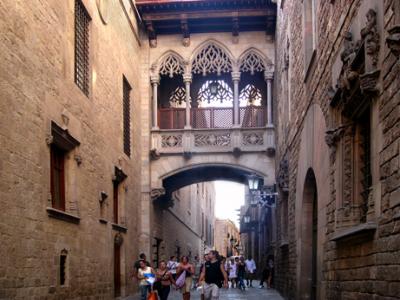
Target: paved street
point(232, 294)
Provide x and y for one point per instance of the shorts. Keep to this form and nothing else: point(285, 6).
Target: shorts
point(211, 291)
point(188, 285)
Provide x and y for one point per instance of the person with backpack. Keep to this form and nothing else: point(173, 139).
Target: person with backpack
point(213, 274)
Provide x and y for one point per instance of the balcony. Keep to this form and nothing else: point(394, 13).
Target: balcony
point(212, 130)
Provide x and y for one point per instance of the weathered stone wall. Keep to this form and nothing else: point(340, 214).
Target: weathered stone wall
point(37, 87)
point(369, 268)
point(225, 230)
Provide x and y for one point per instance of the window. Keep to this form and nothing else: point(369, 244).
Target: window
point(119, 176)
point(63, 267)
point(57, 177)
point(61, 144)
point(309, 31)
point(126, 116)
point(82, 72)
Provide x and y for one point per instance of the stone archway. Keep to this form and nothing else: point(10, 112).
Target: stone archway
point(309, 238)
point(312, 175)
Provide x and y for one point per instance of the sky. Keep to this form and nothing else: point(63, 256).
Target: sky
point(229, 198)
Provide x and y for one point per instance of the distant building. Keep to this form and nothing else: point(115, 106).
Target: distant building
point(227, 237)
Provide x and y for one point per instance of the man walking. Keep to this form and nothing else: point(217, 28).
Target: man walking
point(251, 270)
point(213, 274)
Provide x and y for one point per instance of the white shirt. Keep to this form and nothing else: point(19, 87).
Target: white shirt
point(172, 265)
point(250, 265)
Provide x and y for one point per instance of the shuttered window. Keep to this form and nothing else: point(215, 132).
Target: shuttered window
point(126, 116)
point(82, 70)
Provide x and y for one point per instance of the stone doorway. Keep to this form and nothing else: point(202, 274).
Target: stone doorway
point(309, 240)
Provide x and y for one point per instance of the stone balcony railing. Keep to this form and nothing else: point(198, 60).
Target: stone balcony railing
point(217, 140)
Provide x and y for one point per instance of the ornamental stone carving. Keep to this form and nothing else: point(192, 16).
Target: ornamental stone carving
point(212, 140)
point(154, 154)
point(157, 193)
point(171, 141)
point(252, 62)
point(118, 239)
point(371, 38)
point(333, 136)
point(211, 59)
point(393, 40)
point(253, 139)
point(283, 175)
point(171, 65)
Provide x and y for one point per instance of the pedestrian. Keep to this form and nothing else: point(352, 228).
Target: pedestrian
point(213, 274)
point(250, 271)
point(164, 279)
point(136, 265)
point(241, 272)
point(201, 281)
point(143, 275)
point(172, 265)
point(196, 275)
point(232, 271)
point(188, 268)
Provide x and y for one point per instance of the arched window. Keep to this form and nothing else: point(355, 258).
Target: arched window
point(215, 93)
point(211, 59)
point(250, 96)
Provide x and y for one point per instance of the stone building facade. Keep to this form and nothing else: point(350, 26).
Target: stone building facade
point(188, 227)
point(337, 158)
point(226, 237)
point(70, 136)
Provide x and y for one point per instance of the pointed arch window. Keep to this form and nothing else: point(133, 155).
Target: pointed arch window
point(215, 93)
point(250, 96)
point(211, 59)
point(170, 66)
point(252, 62)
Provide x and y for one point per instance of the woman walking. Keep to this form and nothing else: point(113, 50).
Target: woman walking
point(164, 279)
point(144, 273)
point(188, 268)
point(232, 271)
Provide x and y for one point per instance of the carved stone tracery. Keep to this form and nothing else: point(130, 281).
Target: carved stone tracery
point(252, 62)
point(211, 59)
point(171, 141)
point(171, 65)
point(212, 139)
point(253, 139)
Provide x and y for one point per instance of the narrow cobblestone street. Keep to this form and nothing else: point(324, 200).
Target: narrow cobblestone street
point(230, 294)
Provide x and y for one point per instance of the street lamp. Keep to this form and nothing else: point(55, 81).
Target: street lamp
point(254, 182)
point(246, 219)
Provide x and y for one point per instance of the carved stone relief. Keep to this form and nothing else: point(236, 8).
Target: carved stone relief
point(171, 141)
point(212, 139)
point(283, 175)
point(253, 139)
point(211, 59)
point(171, 65)
point(157, 193)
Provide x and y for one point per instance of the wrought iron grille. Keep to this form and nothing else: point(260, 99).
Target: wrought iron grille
point(126, 116)
point(82, 20)
point(253, 116)
point(171, 118)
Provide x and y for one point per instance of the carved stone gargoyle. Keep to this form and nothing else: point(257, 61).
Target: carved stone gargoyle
point(154, 154)
point(157, 193)
point(283, 175)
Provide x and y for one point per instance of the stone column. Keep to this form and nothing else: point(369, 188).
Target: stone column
point(155, 81)
point(268, 76)
point(187, 79)
point(236, 79)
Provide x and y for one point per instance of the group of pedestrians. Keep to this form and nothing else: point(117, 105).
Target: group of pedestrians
point(208, 276)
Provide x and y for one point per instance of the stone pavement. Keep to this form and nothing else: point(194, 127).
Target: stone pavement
point(231, 294)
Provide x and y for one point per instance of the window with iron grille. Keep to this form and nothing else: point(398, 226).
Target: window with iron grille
point(126, 116)
point(82, 72)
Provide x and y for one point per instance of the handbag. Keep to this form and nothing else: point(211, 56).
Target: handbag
point(158, 285)
point(180, 282)
point(152, 296)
